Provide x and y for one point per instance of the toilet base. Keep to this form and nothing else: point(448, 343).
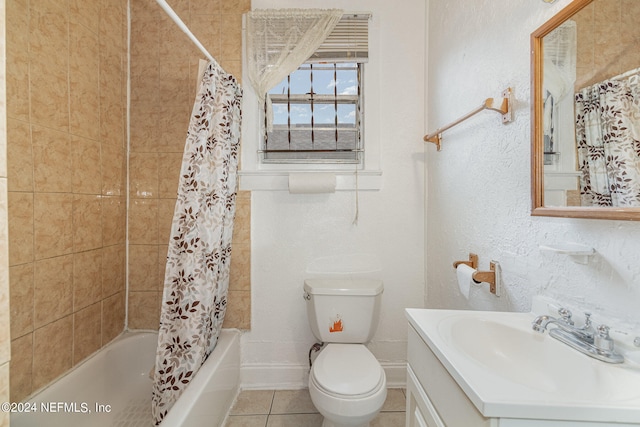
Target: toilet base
point(329, 423)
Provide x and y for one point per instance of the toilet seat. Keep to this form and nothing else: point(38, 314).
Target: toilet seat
point(347, 371)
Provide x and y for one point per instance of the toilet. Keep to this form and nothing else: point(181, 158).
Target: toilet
point(346, 383)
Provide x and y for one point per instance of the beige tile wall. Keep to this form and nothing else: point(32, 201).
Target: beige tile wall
point(608, 40)
point(66, 104)
point(164, 65)
point(5, 332)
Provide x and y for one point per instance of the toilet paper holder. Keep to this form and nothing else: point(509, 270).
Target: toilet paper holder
point(489, 277)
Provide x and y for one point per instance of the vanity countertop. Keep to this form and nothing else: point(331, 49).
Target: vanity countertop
point(509, 371)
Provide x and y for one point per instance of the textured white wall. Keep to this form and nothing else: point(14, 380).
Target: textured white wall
point(299, 236)
point(479, 184)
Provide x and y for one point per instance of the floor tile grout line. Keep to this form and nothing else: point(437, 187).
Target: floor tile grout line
point(273, 398)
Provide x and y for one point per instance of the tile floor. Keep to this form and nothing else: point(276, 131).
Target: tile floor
point(293, 408)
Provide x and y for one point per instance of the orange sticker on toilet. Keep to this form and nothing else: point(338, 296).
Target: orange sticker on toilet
point(337, 325)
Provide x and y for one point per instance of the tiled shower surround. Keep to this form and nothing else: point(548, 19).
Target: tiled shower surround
point(67, 169)
point(66, 100)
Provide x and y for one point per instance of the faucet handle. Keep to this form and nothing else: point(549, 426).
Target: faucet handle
point(602, 340)
point(566, 315)
point(588, 324)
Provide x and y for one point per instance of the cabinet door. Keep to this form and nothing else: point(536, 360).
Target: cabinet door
point(420, 410)
point(417, 419)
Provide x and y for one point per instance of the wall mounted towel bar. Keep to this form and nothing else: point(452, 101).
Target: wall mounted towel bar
point(502, 105)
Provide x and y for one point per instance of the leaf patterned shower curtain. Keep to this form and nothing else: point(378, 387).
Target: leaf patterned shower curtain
point(608, 139)
point(197, 272)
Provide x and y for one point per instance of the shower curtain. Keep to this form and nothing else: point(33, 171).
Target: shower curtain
point(197, 272)
point(608, 140)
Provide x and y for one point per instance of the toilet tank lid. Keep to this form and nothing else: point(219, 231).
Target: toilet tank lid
point(360, 287)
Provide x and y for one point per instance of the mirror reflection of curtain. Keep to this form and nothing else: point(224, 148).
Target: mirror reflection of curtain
point(559, 53)
point(608, 141)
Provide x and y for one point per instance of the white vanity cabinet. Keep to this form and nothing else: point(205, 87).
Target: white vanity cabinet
point(434, 399)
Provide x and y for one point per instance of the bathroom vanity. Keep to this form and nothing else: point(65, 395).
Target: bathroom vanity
point(446, 403)
point(473, 368)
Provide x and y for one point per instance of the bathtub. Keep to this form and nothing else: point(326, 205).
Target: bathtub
point(112, 388)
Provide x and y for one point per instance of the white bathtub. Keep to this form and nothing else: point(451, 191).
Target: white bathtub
point(112, 388)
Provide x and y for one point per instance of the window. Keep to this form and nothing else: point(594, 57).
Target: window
point(305, 64)
point(317, 115)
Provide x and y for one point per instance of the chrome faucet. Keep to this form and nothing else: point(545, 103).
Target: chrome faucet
point(586, 339)
point(585, 333)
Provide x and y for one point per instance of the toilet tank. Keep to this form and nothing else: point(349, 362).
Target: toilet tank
point(343, 310)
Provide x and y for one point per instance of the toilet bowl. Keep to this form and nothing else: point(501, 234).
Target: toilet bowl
point(347, 385)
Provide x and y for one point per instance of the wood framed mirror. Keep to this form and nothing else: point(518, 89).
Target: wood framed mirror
point(585, 82)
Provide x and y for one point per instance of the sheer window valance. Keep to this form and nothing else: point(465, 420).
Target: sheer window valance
point(278, 41)
point(559, 52)
point(560, 48)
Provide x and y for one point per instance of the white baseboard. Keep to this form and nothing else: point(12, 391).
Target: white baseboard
point(292, 377)
point(273, 377)
point(396, 374)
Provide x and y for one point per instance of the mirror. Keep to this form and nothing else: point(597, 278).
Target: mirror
point(586, 112)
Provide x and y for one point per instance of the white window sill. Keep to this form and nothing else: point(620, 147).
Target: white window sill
point(279, 180)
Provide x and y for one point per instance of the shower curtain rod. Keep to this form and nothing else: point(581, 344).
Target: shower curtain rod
point(174, 16)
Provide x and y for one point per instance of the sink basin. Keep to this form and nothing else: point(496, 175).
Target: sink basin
point(505, 350)
point(508, 370)
point(518, 354)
